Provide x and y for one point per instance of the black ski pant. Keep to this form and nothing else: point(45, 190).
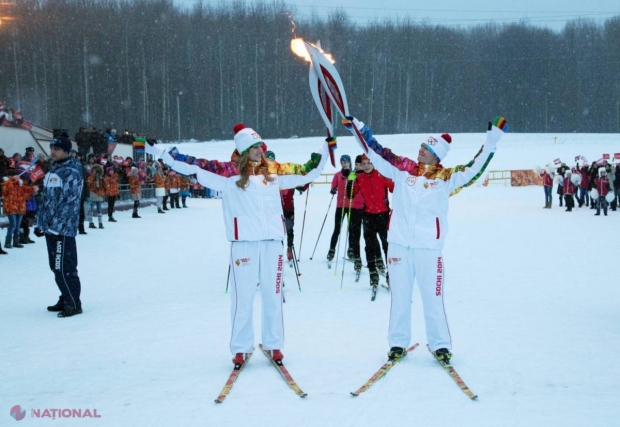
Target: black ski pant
point(62, 254)
point(174, 201)
point(340, 213)
point(375, 224)
point(111, 202)
point(289, 223)
point(570, 202)
point(355, 230)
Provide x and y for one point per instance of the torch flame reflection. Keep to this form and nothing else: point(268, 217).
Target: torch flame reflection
point(299, 49)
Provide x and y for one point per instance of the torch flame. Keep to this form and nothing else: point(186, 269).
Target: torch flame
point(299, 49)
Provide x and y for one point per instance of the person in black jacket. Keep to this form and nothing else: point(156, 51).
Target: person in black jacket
point(82, 138)
point(57, 220)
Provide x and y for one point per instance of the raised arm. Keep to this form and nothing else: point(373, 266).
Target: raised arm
point(209, 173)
point(401, 163)
point(465, 175)
point(292, 175)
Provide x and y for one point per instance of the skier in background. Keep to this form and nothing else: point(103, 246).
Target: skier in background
point(288, 210)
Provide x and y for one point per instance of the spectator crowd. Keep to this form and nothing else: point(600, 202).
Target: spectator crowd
point(595, 186)
point(106, 177)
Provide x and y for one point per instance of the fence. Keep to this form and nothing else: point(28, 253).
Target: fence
point(148, 192)
point(507, 178)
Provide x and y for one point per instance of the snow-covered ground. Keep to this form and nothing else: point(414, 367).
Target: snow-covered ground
point(531, 294)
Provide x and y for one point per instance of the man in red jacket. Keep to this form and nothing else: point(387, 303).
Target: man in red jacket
point(374, 189)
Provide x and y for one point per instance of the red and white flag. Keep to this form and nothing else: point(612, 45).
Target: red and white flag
point(606, 156)
point(616, 156)
point(557, 162)
point(37, 174)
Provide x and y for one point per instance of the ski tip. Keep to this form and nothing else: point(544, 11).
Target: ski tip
point(354, 394)
point(303, 395)
point(218, 401)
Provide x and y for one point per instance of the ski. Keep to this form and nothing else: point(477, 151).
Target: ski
point(357, 275)
point(285, 374)
point(374, 293)
point(329, 264)
point(385, 286)
point(456, 377)
point(232, 378)
point(382, 371)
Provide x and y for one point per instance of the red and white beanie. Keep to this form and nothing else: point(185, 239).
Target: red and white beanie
point(245, 137)
point(439, 145)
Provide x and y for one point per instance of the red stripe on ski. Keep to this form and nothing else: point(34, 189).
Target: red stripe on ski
point(382, 371)
point(285, 374)
point(231, 379)
point(456, 377)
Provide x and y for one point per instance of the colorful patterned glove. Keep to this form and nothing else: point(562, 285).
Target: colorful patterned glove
point(351, 121)
point(495, 131)
point(315, 158)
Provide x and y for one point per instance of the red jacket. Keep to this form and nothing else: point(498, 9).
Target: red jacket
point(374, 187)
point(547, 179)
point(569, 187)
point(602, 186)
point(288, 204)
point(585, 178)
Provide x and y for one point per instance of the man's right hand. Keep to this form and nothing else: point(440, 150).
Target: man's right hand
point(38, 232)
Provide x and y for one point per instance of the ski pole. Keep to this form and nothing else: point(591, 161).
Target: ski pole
point(227, 279)
point(347, 239)
point(317, 239)
point(229, 263)
point(297, 273)
point(303, 222)
point(344, 197)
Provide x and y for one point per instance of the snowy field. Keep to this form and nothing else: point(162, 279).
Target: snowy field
point(531, 295)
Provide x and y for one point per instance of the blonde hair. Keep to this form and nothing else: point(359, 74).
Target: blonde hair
point(246, 169)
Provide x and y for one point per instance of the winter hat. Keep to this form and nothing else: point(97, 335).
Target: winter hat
point(345, 158)
point(245, 137)
point(439, 145)
point(358, 159)
point(61, 142)
point(110, 169)
point(270, 155)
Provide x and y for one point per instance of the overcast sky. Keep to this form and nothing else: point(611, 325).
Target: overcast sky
point(550, 13)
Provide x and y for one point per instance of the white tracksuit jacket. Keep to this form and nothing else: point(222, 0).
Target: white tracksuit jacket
point(255, 225)
point(417, 230)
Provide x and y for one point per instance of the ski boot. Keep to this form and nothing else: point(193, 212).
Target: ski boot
point(443, 355)
point(357, 266)
point(380, 266)
point(330, 256)
point(289, 256)
point(396, 353)
point(374, 279)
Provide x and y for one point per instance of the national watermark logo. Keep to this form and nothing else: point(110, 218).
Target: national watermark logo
point(18, 413)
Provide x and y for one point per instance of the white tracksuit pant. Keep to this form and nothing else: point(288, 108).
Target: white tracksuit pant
point(426, 265)
point(252, 263)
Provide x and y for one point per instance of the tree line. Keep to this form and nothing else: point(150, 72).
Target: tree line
point(144, 64)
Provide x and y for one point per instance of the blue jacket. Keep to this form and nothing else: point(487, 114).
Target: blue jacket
point(59, 210)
